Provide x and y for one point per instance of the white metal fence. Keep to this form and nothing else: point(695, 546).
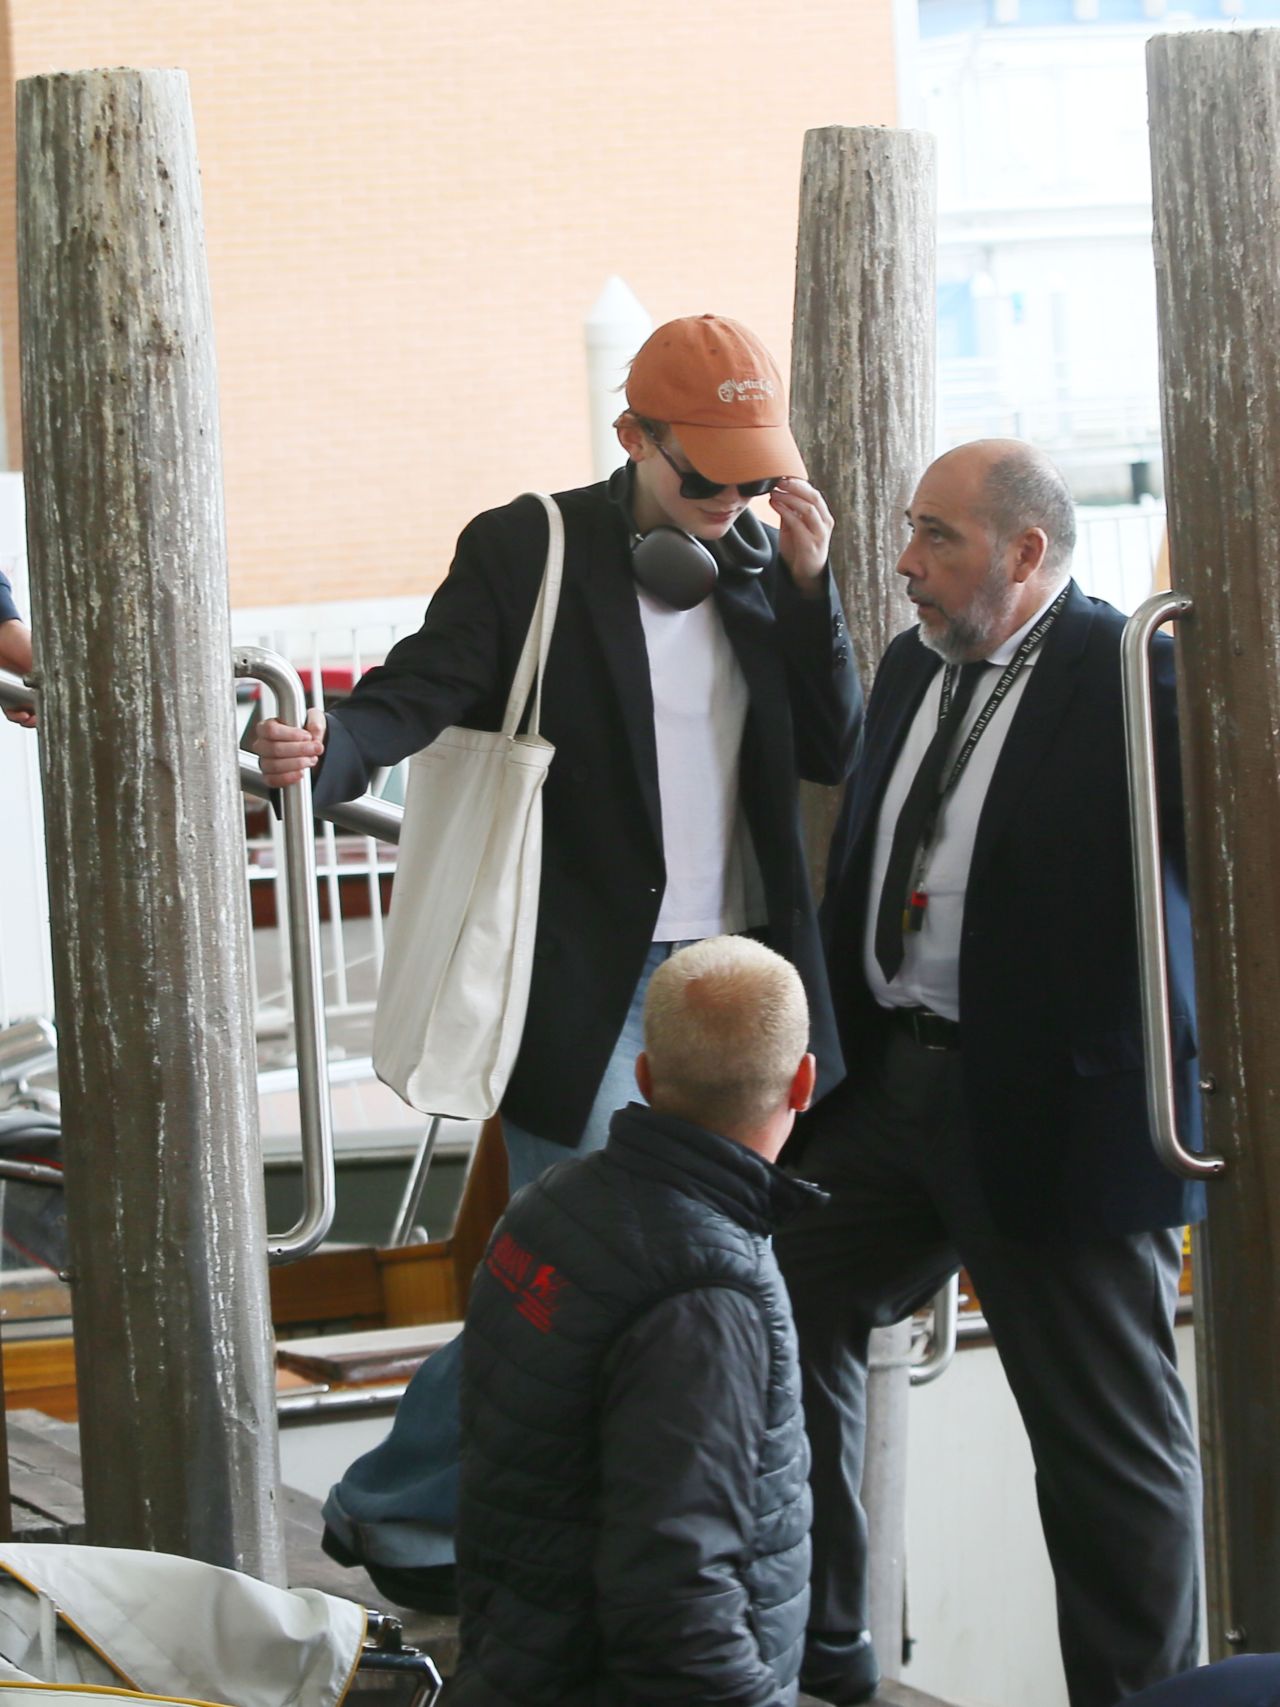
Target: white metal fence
point(1118, 548)
point(979, 398)
point(331, 646)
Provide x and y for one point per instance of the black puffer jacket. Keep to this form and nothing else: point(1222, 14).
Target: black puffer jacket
point(634, 1524)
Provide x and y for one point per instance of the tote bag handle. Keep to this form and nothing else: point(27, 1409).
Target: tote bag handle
point(537, 641)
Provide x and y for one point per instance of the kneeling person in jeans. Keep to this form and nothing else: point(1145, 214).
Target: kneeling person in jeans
point(634, 1518)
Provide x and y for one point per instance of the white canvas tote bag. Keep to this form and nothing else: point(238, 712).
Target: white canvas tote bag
point(464, 905)
point(168, 1628)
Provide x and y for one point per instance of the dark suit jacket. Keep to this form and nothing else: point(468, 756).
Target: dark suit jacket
point(1247, 1680)
point(1049, 995)
point(602, 864)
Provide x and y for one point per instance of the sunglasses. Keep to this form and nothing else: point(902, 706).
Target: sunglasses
point(695, 485)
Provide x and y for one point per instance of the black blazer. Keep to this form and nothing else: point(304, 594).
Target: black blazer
point(602, 863)
point(1049, 995)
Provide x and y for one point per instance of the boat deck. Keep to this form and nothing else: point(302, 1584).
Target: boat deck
point(48, 1506)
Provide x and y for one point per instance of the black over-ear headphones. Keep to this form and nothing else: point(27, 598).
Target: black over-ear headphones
point(672, 565)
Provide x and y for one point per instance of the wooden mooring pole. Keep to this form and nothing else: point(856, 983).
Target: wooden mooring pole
point(144, 823)
point(1215, 149)
point(862, 385)
point(862, 373)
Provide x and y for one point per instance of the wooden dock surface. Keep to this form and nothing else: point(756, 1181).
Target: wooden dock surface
point(48, 1506)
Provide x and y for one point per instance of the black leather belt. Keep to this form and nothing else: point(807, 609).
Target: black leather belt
point(929, 1030)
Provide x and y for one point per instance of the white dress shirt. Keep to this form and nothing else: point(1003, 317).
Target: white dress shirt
point(929, 976)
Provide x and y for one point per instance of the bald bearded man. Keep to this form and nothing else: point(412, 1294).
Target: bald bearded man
point(983, 961)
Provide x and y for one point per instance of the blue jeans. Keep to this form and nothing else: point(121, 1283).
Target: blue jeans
point(398, 1504)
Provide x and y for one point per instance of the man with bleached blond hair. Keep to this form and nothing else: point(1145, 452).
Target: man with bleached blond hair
point(724, 1025)
point(634, 1519)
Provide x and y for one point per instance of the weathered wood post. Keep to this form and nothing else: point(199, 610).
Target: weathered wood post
point(1215, 149)
point(862, 385)
point(143, 822)
point(862, 371)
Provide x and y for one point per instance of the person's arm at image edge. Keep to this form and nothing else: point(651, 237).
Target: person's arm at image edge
point(15, 647)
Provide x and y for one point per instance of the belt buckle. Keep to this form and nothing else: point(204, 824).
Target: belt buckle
point(928, 1034)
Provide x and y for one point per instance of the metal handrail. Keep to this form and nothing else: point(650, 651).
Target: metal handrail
point(1140, 753)
point(415, 1185)
point(366, 815)
point(942, 1336)
point(319, 1186)
point(25, 1047)
point(15, 695)
point(32, 1173)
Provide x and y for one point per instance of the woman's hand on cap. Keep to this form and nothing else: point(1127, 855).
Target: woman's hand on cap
point(805, 525)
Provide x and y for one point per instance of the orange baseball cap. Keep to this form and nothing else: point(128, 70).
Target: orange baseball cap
point(717, 385)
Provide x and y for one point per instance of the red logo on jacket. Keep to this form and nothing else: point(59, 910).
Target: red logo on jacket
point(536, 1287)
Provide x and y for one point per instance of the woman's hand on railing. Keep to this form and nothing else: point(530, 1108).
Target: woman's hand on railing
point(15, 655)
point(286, 752)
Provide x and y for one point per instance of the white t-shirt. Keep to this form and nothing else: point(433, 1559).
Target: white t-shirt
point(699, 713)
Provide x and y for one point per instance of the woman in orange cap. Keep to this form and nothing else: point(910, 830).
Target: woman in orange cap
point(700, 667)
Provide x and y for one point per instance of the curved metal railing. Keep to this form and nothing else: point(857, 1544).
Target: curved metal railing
point(315, 1119)
point(1140, 750)
point(940, 1347)
point(367, 816)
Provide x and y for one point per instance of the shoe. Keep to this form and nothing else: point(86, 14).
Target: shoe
point(839, 1668)
point(424, 1588)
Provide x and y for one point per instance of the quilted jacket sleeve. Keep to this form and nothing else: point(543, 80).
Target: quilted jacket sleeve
point(683, 1418)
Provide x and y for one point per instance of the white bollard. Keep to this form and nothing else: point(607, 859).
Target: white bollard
point(614, 330)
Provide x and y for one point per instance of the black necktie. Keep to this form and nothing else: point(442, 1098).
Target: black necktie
point(917, 809)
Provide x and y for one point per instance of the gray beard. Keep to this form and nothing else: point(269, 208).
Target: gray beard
point(976, 631)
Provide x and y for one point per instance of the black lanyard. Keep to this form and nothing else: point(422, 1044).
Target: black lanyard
point(1011, 673)
point(1012, 670)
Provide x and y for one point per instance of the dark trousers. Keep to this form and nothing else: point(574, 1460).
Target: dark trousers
point(1085, 1334)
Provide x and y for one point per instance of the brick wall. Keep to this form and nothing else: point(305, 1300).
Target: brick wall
point(410, 206)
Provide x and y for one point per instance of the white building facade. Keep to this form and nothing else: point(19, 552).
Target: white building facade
point(1046, 288)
